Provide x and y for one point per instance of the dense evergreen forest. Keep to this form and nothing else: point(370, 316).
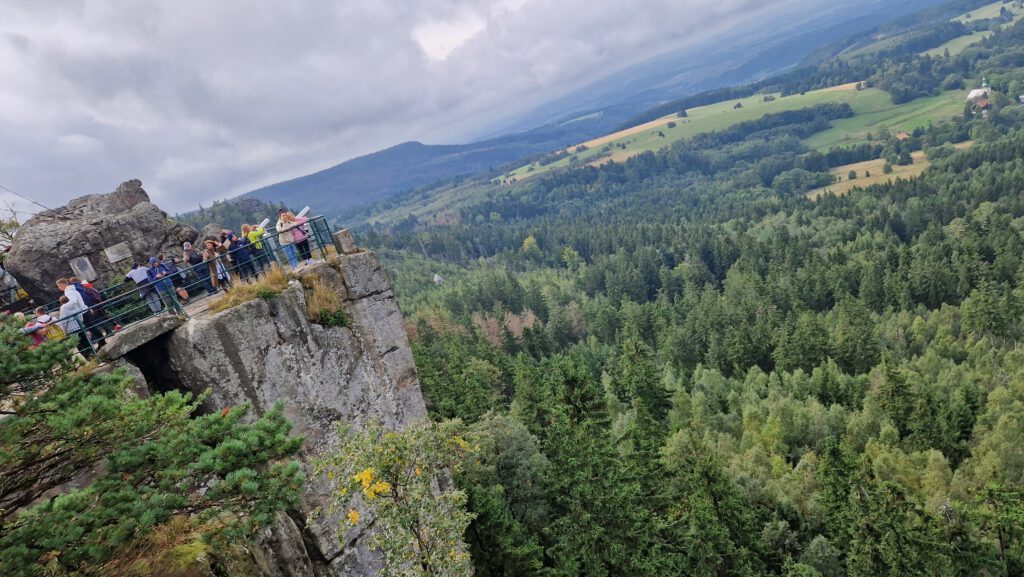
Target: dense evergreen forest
point(682, 365)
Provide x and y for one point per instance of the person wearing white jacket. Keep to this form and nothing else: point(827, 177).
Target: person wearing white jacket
point(71, 315)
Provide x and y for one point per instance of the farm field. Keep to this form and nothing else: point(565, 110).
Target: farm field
point(873, 109)
point(988, 11)
point(958, 45)
point(645, 137)
point(875, 112)
point(874, 167)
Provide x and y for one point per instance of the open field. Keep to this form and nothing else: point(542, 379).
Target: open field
point(957, 45)
point(873, 109)
point(989, 11)
point(877, 175)
point(877, 110)
point(646, 137)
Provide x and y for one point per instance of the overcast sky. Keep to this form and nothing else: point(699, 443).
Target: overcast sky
point(202, 100)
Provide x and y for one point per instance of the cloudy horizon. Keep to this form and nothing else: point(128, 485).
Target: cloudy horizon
point(203, 101)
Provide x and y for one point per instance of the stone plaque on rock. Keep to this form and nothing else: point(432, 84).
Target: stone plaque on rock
point(118, 252)
point(83, 268)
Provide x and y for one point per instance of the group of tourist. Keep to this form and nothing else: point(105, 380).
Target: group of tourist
point(163, 285)
point(81, 311)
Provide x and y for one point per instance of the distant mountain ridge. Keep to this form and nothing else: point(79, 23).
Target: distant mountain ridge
point(367, 179)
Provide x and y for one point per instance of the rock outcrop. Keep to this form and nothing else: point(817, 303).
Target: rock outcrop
point(267, 351)
point(45, 245)
point(260, 352)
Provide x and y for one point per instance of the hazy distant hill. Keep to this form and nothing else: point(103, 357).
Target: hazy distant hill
point(367, 179)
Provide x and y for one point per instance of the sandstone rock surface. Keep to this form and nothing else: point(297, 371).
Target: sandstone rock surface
point(135, 335)
point(46, 243)
point(266, 351)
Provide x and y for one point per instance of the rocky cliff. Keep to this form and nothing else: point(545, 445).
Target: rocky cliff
point(46, 245)
point(266, 351)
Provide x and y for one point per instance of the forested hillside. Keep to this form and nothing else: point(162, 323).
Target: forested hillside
point(683, 364)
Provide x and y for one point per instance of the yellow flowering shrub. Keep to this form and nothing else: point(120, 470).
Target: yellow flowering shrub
point(419, 519)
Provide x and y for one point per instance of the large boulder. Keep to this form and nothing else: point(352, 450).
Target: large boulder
point(46, 245)
point(209, 231)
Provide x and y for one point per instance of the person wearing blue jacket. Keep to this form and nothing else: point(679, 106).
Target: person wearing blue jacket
point(241, 255)
point(160, 277)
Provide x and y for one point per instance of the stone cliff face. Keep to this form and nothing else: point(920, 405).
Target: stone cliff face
point(266, 351)
point(46, 244)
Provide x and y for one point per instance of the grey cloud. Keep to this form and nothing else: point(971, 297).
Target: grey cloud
point(204, 100)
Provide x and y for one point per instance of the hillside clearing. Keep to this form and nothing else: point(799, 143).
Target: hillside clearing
point(657, 134)
point(988, 11)
point(876, 111)
point(958, 45)
point(875, 167)
point(873, 109)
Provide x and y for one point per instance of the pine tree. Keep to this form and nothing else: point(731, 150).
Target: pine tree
point(710, 526)
point(157, 462)
point(599, 525)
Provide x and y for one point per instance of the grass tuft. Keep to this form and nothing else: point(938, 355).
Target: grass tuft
point(323, 305)
point(273, 281)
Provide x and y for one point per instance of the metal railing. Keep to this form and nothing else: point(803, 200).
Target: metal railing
point(128, 303)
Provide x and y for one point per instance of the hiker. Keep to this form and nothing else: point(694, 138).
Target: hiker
point(285, 236)
point(242, 257)
point(95, 319)
point(172, 266)
point(301, 237)
point(254, 234)
point(160, 278)
point(194, 258)
point(67, 319)
point(147, 292)
point(225, 243)
point(71, 313)
point(214, 257)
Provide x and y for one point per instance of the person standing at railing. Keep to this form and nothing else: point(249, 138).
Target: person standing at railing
point(68, 321)
point(172, 266)
point(301, 237)
point(242, 257)
point(70, 325)
point(147, 291)
point(254, 234)
point(96, 319)
point(71, 310)
point(160, 278)
point(285, 237)
point(194, 258)
point(213, 255)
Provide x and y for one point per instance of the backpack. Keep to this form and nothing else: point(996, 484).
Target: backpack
point(90, 295)
point(55, 332)
point(194, 257)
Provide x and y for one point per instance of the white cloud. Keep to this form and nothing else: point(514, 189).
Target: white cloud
point(203, 100)
point(438, 38)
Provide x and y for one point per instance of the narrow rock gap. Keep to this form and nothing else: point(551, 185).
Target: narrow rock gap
point(154, 361)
